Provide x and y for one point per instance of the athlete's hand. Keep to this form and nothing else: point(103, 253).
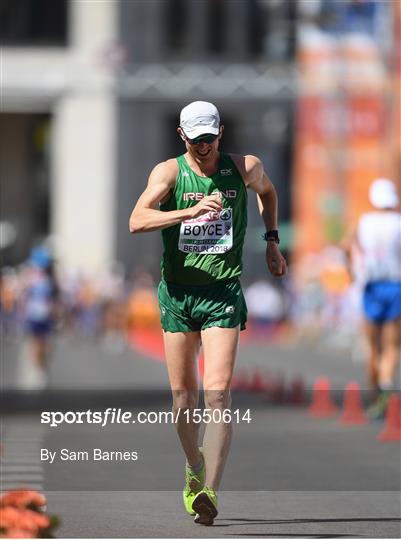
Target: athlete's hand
point(210, 203)
point(275, 261)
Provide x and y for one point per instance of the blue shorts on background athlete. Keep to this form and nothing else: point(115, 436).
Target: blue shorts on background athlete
point(382, 301)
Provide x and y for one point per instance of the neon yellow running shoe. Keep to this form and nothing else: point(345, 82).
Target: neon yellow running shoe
point(193, 485)
point(205, 506)
point(377, 411)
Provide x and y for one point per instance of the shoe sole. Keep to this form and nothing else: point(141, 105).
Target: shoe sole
point(205, 510)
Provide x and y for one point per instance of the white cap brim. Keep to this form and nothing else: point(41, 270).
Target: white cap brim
point(200, 130)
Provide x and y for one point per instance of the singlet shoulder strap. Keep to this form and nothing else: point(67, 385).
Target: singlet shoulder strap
point(232, 161)
point(182, 162)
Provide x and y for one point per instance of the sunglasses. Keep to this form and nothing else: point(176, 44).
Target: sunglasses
point(208, 139)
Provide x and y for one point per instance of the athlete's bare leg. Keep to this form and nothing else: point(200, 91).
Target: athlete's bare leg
point(220, 347)
point(373, 336)
point(181, 350)
point(390, 352)
point(38, 347)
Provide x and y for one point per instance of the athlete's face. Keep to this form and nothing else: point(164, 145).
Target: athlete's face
point(204, 147)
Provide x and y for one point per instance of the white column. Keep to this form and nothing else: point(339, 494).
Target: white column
point(83, 158)
point(83, 193)
point(93, 23)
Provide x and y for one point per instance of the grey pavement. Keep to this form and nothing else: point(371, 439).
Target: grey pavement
point(89, 364)
point(288, 474)
point(260, 514)
point(308, 361)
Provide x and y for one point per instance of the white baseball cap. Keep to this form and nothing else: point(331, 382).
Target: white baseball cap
point(199, 118)
point(383, 194)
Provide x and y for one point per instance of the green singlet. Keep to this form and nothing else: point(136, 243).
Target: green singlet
point(206, 249)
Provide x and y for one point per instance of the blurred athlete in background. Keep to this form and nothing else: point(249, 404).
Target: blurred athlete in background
point(39, 310)
point(376, 250)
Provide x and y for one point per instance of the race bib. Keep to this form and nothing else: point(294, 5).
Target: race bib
point(210, 233)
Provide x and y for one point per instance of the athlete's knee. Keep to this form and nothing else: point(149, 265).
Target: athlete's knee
point(184, 399)
point(217, 399)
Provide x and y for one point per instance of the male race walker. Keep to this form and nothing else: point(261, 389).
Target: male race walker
point(374, 247)
point(199, 202)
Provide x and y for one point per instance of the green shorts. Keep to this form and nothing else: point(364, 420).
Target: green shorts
point(193, 308)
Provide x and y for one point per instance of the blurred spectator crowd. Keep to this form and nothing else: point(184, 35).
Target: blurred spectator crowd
point(104, 306)
point(316, 301)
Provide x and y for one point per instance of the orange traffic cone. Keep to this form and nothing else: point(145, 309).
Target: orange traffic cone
point(235, 382)
point(352, 410)
point(257, 383)
point(269, 384)
point(240, 382)
point(296, 394)
point(277, 389)
point(322, 405)
point(392, 427)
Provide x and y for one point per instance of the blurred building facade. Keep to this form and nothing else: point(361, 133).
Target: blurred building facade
point(346, 127)
point(91, 99)
point(59, 102)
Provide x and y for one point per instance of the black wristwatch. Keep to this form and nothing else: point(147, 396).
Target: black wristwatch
point(271, 236)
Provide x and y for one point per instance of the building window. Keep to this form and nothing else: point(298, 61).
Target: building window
point(216, 26)
point(176, 15)
point(33, 22)
point(230, 30)
point(271, 29)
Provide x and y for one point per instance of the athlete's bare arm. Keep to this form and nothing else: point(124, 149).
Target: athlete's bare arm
point(146, 216)
point(349, 244)
point(256, 179)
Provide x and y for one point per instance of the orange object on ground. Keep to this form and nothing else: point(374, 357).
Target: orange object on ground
point(322, 405)
point(240, 381)
point(392, 428)
point(257, 383)
point(353, 413)
point(296, 394)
